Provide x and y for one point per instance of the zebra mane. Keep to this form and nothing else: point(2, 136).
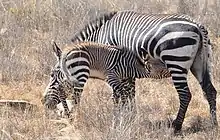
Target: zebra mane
point(92, 26)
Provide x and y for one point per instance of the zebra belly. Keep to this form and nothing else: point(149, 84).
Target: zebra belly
point(97, 74)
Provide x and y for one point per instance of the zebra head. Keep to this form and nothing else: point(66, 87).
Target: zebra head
point(54, 89)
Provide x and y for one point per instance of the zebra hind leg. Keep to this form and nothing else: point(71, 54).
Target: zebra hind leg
point(180, 83)
point(210, 92)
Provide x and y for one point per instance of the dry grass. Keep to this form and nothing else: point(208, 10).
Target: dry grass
point(26, 30)
point(155, 106)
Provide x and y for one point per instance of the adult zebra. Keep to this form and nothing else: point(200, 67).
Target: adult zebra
point(176, 41)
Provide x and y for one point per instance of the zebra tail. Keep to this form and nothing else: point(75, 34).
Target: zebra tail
point(202, 65)
point(206, 51)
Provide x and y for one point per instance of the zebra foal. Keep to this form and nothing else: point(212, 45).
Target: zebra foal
point(80, 61)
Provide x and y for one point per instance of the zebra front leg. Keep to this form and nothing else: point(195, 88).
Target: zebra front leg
point(65, 89)
point(65, 106)
point(76, 96)
point(75, 90)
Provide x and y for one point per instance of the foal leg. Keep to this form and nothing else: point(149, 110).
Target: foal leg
point(129, 95)
point(124, 101)
point(78, 89)
point(62, 96)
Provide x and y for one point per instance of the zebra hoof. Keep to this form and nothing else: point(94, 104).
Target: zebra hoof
point(177, 127)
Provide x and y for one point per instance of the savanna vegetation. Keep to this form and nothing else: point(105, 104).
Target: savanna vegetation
point(26, 30)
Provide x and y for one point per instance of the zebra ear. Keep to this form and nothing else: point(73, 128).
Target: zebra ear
point(57, 51)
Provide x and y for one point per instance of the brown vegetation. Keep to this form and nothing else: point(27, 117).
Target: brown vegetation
point(26, 30)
